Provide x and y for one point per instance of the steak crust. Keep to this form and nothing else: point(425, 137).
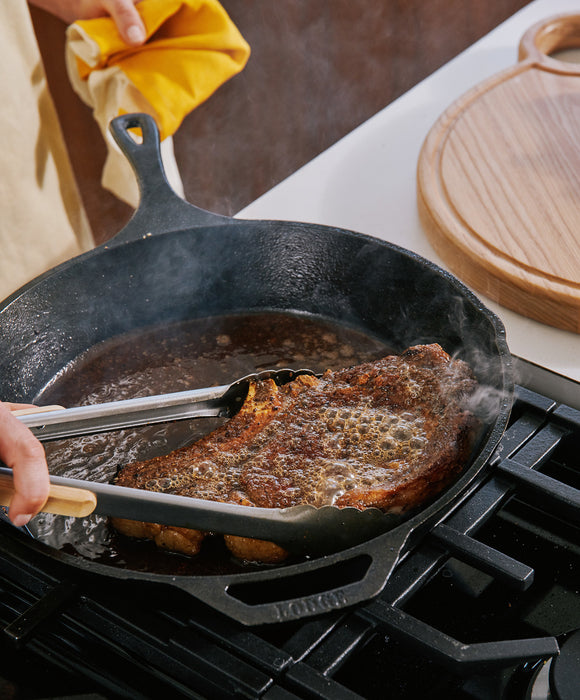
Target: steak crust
point(389, 434)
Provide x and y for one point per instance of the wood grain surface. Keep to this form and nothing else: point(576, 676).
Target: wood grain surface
point(499, 181)
point(62, 500)
point(318, 69)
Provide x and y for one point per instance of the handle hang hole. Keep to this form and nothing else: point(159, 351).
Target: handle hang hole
point(136, 133)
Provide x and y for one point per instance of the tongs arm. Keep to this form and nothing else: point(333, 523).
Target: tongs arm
point(299, 529)
point(113, 415)
point(219, 401)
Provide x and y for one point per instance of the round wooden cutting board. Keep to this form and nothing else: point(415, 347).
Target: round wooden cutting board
point(499, 181)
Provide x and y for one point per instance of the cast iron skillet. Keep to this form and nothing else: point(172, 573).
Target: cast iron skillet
point(174, 262)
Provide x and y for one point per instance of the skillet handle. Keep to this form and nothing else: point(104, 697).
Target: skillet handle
point(160, 209)
point(347, 577)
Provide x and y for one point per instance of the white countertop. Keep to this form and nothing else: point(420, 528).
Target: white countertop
point(366, 182)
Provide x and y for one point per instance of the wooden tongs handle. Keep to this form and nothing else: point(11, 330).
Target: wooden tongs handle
point(29, 410)
point(62, 500)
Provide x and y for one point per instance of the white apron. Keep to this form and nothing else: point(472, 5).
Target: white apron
point(42, 221)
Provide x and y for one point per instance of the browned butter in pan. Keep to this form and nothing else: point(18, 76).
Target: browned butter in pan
point(185, 355)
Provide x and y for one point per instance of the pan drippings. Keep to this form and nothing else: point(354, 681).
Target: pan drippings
point(185, 355)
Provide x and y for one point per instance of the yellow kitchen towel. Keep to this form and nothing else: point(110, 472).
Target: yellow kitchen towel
point(192, 48)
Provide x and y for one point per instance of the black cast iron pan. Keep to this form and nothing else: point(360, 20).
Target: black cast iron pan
point(174, 262)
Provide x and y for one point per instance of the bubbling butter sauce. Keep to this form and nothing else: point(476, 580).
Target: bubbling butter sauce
point(181, 356)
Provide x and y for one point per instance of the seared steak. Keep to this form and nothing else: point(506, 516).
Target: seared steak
point(390, 434)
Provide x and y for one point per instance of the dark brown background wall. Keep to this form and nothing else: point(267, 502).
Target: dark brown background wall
point(318, 69)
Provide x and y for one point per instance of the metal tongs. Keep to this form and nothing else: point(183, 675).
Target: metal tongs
point(219, 401)
point(301, 528)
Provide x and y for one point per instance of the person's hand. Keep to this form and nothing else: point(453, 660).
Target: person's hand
point(24, 454)
point(123, 12)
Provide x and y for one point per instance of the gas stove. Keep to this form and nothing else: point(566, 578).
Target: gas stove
point(486, 606)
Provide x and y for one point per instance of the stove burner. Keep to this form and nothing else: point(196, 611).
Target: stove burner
point(565, 669)
point(539, 688)
point(557, 679)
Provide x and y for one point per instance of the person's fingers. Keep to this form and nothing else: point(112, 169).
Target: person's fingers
point(24, 454)
point(127, 19)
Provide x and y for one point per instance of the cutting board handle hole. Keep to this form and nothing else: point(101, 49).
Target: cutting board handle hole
point(553, 39)
point(567, 55)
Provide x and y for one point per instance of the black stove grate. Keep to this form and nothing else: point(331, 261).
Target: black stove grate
point(470, 613)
